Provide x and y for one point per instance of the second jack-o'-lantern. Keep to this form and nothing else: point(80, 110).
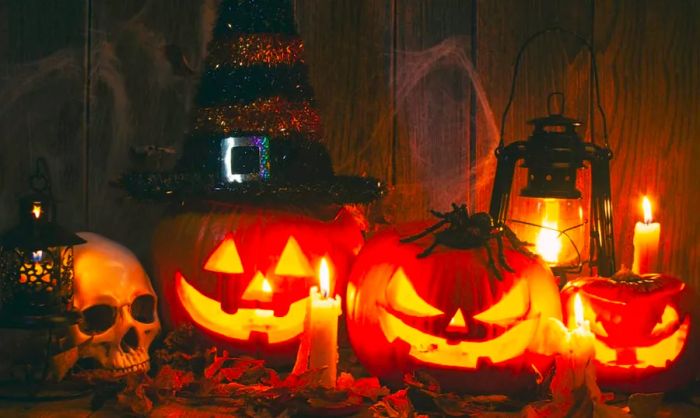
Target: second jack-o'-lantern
point(647, 338)
point(242, 273)
point(467, 315)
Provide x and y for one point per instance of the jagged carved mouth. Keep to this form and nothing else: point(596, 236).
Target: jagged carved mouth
point(439, 351)
point(207, 313)
point(659, 355)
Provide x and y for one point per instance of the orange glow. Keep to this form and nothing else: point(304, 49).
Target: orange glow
point(669, 319)
point(225, 258)
point(402, 296)
point(259, 289)
point(465, 354)
point(646, 207)
point(457, 323)
point(657, 355)
point(578, 310)
point(293, 262)
point(548, 244)
point(207, 313)
point(36, 210)
point(324, 278)
point(513, 305)
point(266, 286)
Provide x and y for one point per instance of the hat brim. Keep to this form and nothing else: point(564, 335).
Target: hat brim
point(194, 186)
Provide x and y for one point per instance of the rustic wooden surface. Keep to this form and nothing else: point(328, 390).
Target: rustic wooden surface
point(391, 106)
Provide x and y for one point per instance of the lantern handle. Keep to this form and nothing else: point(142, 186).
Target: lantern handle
point(40, 180)
point(594, 75)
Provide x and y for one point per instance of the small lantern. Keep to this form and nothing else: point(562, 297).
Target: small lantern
point(36, 260)
point(561, 200)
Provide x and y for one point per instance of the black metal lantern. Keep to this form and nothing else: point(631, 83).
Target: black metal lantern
point(36, 261)
point(562, 187)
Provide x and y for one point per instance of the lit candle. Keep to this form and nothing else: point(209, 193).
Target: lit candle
point(323, 328)
point(575, 370)
point(646, 242)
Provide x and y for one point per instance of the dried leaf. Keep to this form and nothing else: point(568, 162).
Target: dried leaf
point(395, 405)
point(172, 380)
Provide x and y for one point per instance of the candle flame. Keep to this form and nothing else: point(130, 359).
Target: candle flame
point(324, 278)
point(36, 210)
point(646, 206)
point(548, 244)
point(266, 287)
point(578, 310)
point(37, 256)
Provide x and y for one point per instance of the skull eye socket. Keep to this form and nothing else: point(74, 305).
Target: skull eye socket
point(293, 262)
point(143, 309)
point(513, 305)
point(402, 296)
point(97, 319)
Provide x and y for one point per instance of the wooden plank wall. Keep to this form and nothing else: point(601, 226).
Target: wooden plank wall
point(393, 89)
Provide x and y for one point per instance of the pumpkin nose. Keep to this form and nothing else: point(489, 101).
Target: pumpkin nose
point(457, 323)
point(259, 289)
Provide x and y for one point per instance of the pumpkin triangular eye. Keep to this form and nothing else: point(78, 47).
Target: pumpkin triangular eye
point(402, 296)
point(669, 319)
point(513, 305)
point(225, 258)
point(293, 262)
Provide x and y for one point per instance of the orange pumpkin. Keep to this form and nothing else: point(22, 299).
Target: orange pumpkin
point(241, 273)
point(645, 329)
point(449, 313)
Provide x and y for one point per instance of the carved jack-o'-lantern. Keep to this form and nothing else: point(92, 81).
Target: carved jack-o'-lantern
point(468, 315)
point(242, 273)
point(645, 329)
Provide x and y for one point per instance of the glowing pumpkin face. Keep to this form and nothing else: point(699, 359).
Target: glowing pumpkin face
point(646, 338)
point(449, 314)
point(242, 274)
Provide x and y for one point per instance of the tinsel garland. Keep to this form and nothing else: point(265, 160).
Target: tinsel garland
point(254, 16)
point(275, 117)
point(227, 85)
point(246, 50)
point(181, 186)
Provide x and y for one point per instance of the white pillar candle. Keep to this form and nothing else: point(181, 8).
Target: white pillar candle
point(646, 242)
point(323, 328)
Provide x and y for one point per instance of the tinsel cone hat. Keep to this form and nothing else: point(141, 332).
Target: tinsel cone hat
point(255, 134)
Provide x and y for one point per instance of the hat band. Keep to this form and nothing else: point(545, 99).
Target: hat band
point(244, 158)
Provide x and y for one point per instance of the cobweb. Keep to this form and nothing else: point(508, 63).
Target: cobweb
point(433, 88)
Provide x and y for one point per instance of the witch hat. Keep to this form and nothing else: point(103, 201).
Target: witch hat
point(255, 135)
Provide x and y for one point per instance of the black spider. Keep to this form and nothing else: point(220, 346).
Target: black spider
point(464, 231)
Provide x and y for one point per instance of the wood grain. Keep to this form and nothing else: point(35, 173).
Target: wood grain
point(41, 103)
point(433, 105)
point(360, 55)
point(651, 79)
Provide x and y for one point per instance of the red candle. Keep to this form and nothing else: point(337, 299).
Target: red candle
point(646, 242)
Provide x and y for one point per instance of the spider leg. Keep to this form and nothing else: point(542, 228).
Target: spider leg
point(424, 233)
point(428, 250)
point(501, 256)
point(492, 262)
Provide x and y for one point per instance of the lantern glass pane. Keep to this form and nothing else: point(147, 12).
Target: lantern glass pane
point(557, 229)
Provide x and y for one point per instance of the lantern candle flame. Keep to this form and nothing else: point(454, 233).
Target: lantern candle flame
point(324, 278)
point(646, 207)
point(548, 244)
point(36, 210)
point(578, 310)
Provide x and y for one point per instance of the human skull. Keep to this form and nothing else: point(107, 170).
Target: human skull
point(118, 306)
